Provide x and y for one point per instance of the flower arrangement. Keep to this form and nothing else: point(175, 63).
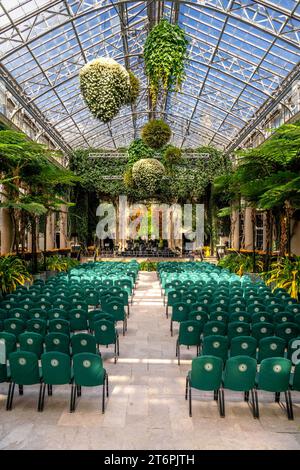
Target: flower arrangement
point(106, 86)
point(156, 133)
point(147, 174)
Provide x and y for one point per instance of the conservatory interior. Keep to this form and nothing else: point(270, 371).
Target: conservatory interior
point(150, 224)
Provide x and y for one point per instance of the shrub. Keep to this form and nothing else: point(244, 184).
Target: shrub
point(172, 155)
point(137, 150)
point(148, 266)
point(60, 264)
point(13, 272)
point(156, 133)
point(147, 173)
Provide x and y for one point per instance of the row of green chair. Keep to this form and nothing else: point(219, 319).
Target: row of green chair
point(84, 370)
point(240, 375)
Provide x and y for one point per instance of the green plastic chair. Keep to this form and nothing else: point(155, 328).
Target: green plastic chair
point(239, 376)
point(82, 343)
point(19, 313)
point(14, 326)
point(243, 346)
point(259, 317)
point(32, 342)
point(275, 308)
point(219, 316)
point(214, 328)
point(293, 308)
point(271, 347)
point(262, 330)
point(78, 320)
point(57, 342)
point(238, 328)
point(274, 376)
point(58, 314)
point(206, 375)
point(287, 331)
point(189, 335)
point(117, 310)
point(180, 313)
point(59, 326)
point(106, 334)
point(216, 345)
point(37, 313)
point(243, 317)
point(283, 317)
point(173, 297)
point(56, 368)
point(37, 326)
point(88, 372)
point(24, 370)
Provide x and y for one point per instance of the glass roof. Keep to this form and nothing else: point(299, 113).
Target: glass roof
point(240, 51)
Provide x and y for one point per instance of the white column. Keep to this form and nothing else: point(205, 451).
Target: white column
point(6, 230)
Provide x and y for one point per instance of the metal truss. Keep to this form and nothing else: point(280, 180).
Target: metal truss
point(243, 57)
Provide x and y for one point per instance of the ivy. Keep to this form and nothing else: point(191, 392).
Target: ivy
point(165, 54)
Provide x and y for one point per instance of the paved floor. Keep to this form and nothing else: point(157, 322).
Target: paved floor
point(146, 408)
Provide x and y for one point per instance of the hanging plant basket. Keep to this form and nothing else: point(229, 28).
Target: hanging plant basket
point(106, 86)
point(147, 174)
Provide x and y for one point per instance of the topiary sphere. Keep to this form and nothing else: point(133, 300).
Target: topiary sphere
point(156, 133)
point(105, 87)
point(172, 155)
point(147, 174)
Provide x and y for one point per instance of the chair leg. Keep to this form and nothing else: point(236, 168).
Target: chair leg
point(253, 404)
point(246, 396)
point(73, 398)
point(21, 390)
point(277, 397)
point(178, 354)
point(256, 403)
point(103, 396)
point(40, 398)
point(222, 403)
point(186, 387)
point(78, 391)
point(43, 397)
point(8, 396)
point(118, 346)
point(289, 405)
point(128, 310)
point(216, 395)
point(190, 400)
point(167, 313)
point(49, 388)
point(171, 327)
point(11, 396)
point(107, 391)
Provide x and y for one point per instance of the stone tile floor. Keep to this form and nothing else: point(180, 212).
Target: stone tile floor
point(146, 408)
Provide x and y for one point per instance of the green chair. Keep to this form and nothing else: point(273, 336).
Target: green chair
point(205, 375)
point(199, 308)
point(56, 368)
point(262, 330)
point(255, 308)
point(106, 334)
point(219, 316)
point(283, 317)
point(239, 376)
point(174, 297)
point(243, 317)
point(180, 313)
point(294, 308)
point(88, 372)
point(259, 317)
point(214, 328)
point(37, 326)
point(117, 310)
point(287, 331)
point(275, 308)
point(24, 370)
point(237, 328)
point(78, 320)
point(243, 346)
point(274, 376)
point(215, 345)
point(200, 317)
point(92, 298)
point(37, 313)
point(189, 335)
point(82, 343)
point(271, 347)
point(57, 342)
point(14, 326)
point(19, 313)
point(32, 342)
point(58, 314)
point(59, 326)
point(237, 308)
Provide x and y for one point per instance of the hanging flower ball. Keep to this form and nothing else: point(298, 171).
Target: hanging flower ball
point(147, 174)
point(106, 86)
